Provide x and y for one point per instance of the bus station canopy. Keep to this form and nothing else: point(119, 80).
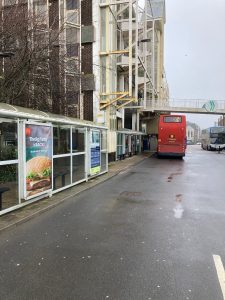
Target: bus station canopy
point(12, 111)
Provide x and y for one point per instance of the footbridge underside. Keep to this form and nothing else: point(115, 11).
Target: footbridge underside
point(216, 107)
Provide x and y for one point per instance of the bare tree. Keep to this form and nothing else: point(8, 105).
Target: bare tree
point(38, 74)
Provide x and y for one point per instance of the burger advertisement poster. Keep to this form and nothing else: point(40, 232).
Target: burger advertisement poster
point(38, 159)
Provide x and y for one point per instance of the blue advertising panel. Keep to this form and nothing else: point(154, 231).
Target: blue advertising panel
point(95, 153)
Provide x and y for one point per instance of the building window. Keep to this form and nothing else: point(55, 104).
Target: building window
point(72, 35)
point(72, 4)
point(72, 50)
point(72, 97)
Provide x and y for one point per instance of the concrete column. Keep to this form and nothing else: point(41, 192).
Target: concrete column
point(123, 118)
point(138, 120)
point(134, 121)
point(81, 106)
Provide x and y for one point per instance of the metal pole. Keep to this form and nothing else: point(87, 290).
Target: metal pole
point(136, 53)
point(107, 66)
point(80, 69)
point(130, 47)
point(153, 62)
point(145, 58)
point(136, 63)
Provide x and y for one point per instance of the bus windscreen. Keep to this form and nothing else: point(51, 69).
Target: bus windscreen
point(172, 119)
point(217, 129)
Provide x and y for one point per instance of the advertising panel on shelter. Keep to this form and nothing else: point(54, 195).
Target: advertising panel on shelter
point(95, 153)
point(38, 159)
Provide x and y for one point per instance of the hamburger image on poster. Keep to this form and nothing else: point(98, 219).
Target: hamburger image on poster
point(38, 158)
point(38, 175)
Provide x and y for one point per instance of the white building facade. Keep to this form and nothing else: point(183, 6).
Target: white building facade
point(128, 67)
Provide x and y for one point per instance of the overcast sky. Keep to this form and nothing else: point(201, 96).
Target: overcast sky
point(195, 52)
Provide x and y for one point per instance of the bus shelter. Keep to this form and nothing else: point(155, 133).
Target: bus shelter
point(43, 153)
point(128, 143)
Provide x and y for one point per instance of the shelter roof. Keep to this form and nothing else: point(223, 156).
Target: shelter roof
point(32, 114)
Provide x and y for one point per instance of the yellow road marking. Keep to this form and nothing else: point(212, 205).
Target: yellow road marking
point(220, 272)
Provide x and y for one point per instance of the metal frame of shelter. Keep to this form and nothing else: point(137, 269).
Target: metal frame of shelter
point(128, 143)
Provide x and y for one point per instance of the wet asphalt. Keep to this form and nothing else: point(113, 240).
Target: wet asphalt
point(148, 233)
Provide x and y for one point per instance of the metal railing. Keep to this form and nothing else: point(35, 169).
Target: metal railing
point(192, 105)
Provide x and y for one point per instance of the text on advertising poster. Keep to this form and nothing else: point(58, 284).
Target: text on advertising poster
point(38, 158)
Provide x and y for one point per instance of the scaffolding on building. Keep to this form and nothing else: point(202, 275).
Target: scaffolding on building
point(131, 53)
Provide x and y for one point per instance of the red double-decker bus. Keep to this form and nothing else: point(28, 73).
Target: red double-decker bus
point(172, 135)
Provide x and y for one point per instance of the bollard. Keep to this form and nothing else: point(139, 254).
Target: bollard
point(219, 150)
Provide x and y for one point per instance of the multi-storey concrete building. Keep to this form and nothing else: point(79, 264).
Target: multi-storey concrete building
point(43, 38)
point(128, 67)
point(221, 121)
point(193, 133)
point(114, 78)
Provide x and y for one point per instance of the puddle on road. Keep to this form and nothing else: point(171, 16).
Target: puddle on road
point(178, 209)
point(178, 197)
point(130, 194)
point(132, 197)
point(170, 178)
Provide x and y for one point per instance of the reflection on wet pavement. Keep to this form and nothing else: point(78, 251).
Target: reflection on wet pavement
point(178, 209)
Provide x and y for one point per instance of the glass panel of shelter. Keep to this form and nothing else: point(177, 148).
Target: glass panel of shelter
point(120, 146)
point(79, 154)
point(69, 159)
point(9, 195)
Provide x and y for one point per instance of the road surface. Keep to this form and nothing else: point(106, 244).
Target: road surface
point(154, 232)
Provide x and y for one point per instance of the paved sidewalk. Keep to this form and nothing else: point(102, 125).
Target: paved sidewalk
point(21, 215)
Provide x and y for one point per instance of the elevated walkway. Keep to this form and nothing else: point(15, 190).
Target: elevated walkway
point(197, 106)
